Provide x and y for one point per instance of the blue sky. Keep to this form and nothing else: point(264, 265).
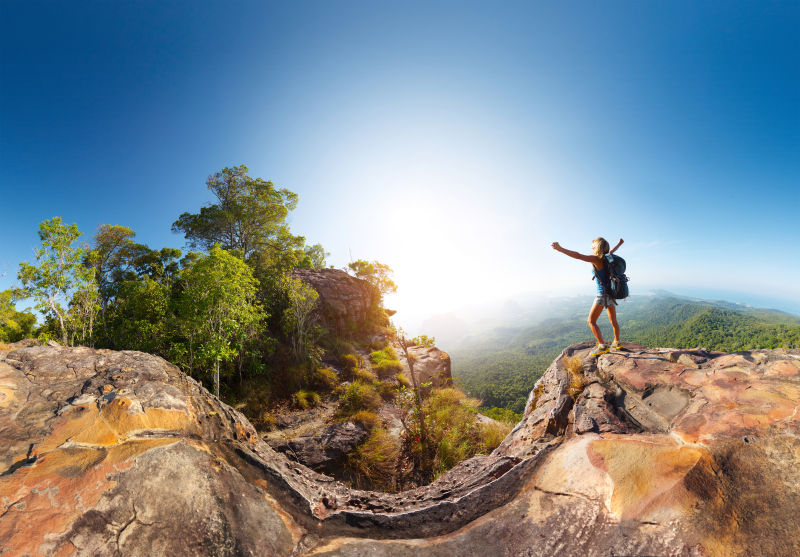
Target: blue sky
point(453, 141)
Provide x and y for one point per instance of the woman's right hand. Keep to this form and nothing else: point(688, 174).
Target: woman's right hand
point(556, 246)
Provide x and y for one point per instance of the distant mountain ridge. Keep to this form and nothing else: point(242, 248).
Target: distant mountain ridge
point(500, 364)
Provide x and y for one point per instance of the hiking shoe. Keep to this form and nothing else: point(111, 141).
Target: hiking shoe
point(601, 349)
point(616, 346)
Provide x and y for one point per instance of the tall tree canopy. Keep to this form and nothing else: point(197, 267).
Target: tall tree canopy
point(249, 215)
point(219, 309)
point(376, 273)
point(58, 275)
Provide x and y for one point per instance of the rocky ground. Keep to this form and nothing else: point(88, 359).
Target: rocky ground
point(641, 452)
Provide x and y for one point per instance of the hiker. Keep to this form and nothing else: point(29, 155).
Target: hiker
point(604, 299)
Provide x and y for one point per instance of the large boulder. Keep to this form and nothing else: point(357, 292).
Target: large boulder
point(431, 365)
point(641, 452)
point(324, 451)
point(345, 302)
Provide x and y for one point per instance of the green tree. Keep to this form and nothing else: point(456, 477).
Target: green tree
point(110, 258)
point(300, 321)
point(249, 215)
point(139, 317)
point(218, 306)
point(418, 416)
point(375, 273)
point(58, 272)
point(313, 257)
point(14, 325)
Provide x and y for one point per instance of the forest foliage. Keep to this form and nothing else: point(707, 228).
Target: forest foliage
point(227, 313)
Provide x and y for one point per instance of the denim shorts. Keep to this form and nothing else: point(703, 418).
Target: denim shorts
point(605, 300)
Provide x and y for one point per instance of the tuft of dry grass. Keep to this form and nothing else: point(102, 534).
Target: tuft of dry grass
point(304, 399)
point(376, 460)
point(493, 434)
point(369, 420)
point(577, 381)
point(325, 379)
point(365, 375)
point(388, 391)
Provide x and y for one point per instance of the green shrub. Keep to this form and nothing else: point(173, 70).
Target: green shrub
point(306, 399)
point(358, 396)
point(385, 362)
point(387, 353)
point(403, 380)
point(454, 431)
point(375, 461)
point(325, 379)
point(350, 362)
point(388, 391)
point(364, 375)
point(387, 368)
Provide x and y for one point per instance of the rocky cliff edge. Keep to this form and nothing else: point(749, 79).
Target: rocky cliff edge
point(641, 452)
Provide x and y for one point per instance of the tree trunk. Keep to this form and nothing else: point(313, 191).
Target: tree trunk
point(61, 323)
point(423, 434)
point(216, 378)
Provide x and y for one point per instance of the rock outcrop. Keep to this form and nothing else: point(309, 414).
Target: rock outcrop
point(345, 301)
point(431, 365)
point(642, 452)
point(324, 452)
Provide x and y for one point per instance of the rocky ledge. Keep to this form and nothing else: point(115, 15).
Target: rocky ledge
point(640, 452)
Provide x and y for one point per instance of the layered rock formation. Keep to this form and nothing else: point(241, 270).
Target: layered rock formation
point(344, 301)
point(643, 452)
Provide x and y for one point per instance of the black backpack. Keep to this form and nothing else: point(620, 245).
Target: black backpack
point(617, 284)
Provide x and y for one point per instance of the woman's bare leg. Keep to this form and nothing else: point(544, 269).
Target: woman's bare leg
point(594, 313)
point(612, 316)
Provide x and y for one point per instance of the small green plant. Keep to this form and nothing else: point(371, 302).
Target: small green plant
point(403, 380)
point(358, 396)
point(304, 399)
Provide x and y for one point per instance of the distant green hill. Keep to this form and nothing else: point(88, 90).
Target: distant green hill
point(500, 366)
